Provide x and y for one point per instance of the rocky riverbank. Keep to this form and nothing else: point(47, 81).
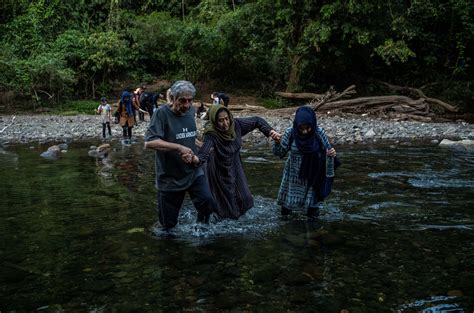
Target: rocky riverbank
point(341, 129)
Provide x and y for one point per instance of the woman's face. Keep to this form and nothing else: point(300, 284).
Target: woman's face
point(223, 121)
point(304, 129)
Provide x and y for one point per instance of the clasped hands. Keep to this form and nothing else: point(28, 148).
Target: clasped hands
point(190, 158)
point(187, 155)
point(276, 136)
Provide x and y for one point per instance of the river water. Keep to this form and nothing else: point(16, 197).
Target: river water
point(396, 235)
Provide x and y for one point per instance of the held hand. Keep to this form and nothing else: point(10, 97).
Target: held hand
point(187, 158)
point(276, 136)
point(331, 152)
point(195, 159)
point(182, 150)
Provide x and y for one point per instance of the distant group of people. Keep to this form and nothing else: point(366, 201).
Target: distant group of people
point(222, 188)
point(145, 103)
point(140, 101)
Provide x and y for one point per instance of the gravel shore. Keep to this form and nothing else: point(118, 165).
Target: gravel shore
point(341, 129)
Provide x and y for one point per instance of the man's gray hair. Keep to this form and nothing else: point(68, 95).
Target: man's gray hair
point(182, 86)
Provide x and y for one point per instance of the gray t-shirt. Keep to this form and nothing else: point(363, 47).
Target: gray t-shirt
point(172, 174)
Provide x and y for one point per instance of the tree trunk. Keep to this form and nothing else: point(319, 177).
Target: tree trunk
point(182, 8)
point(295, 73)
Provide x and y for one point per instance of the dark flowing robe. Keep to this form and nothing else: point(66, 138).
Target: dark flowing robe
point(225, 170)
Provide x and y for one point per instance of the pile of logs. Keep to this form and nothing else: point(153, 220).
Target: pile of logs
point(420, 107)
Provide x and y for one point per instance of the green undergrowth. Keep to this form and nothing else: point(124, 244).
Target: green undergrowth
point(273, 103)
point(77, 107)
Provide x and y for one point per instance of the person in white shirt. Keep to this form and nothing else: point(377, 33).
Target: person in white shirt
point(105, 112)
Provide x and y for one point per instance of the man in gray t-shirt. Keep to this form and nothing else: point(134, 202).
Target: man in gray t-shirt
point(172, 133)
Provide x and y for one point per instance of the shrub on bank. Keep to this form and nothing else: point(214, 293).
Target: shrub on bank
point(77, 107)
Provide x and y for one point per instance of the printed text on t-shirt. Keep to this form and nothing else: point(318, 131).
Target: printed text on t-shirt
point(186, 134)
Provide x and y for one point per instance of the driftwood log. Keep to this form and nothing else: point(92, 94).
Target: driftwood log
point(299, 95)
point(420, 94)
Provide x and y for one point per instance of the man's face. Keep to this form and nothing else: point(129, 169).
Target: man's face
point(183, 103)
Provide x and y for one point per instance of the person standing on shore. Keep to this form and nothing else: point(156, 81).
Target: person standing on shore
point(304, 184)
point(136, 96)
point(220, 98)
point(172, 133)
point(201, 111)
point(223, 135)
point(105, 112)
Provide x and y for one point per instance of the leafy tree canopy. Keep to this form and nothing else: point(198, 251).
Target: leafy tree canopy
point(80, 48)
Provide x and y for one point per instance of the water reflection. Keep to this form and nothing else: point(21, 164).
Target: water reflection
point(395, 235)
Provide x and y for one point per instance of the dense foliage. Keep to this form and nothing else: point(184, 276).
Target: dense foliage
point(64, 49)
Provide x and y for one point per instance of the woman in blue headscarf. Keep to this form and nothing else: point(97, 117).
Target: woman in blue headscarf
point(304, 182)
point(126, 109)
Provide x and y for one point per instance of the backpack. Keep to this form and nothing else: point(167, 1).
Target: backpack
point(146, 99)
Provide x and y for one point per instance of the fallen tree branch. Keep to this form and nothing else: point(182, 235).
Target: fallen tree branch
point(11, 123)
point(332, 96)
point(49, 95)
point(419, 92)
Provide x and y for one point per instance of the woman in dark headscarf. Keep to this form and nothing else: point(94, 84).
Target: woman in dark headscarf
point(303, 184)
point(225, 171)
point(125, 108)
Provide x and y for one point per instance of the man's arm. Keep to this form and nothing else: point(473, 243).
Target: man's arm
point(162, 145)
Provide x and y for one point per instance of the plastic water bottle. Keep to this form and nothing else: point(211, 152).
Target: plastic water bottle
point(329, 166)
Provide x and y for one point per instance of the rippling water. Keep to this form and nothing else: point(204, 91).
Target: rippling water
point(396, 235)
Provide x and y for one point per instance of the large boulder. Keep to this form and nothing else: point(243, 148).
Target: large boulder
point(52, 153)
point(100, 152)
point(465, 144)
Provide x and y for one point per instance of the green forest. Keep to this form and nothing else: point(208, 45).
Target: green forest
point(58, 50)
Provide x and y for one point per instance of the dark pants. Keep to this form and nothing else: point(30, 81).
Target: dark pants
point(169, 202)
point(127, 131)
point(150, 111)
point(104, 125)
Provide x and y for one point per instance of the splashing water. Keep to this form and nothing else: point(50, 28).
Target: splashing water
point(260, 219)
